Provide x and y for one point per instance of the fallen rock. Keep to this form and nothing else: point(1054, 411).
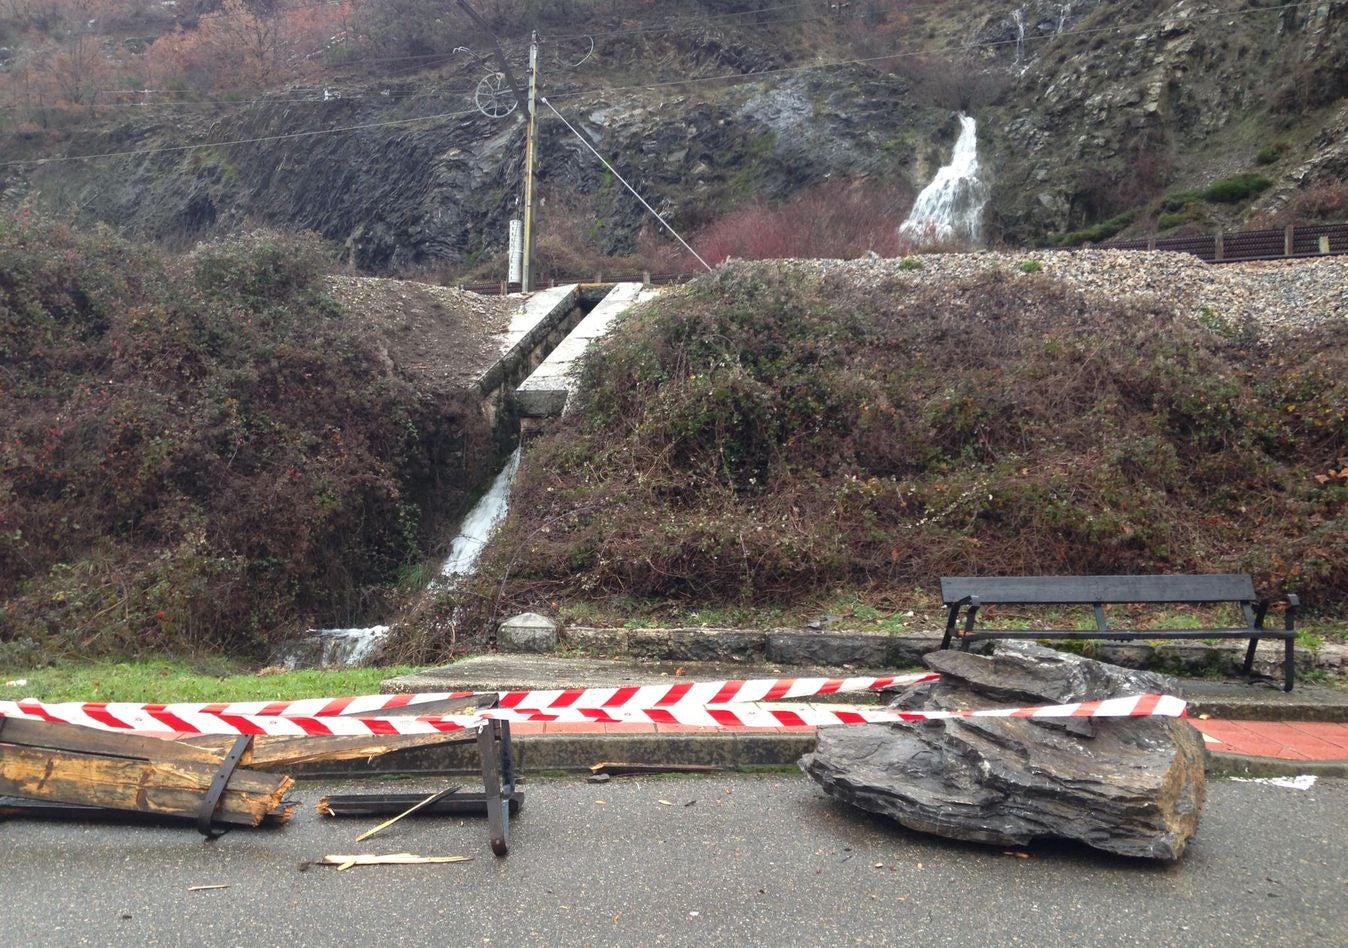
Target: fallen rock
point(1133, 786)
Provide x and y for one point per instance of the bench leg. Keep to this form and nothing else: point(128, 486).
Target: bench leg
point(1288, 664)
point(952, 616)
point(1249, 657)
point(498, 814)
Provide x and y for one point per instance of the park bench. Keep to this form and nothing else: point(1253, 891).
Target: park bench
point(971, 593)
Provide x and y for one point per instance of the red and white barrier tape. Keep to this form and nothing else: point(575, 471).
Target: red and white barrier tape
point(699, 694)
point(647, 696)
point(155, 719)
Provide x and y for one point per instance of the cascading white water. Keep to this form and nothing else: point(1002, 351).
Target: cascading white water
point(331, 648)
point(1064, 11)
point(951, 206)
point(481, 522)
point(1018, 15)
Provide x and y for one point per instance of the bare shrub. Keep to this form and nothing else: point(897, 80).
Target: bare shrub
point(835, 219)
point(204, 454)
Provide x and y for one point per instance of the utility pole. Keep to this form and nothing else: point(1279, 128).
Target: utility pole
point(530, 155)
point(530, 149)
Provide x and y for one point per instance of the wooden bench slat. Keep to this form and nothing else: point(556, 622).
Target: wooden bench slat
point(972, 593)
point(1068, 590)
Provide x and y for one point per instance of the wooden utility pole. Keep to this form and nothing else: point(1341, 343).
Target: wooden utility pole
point(530, 154)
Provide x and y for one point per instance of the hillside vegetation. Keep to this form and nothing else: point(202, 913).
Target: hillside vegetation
point(357, 119)
point(202, 452)
point(778, 433)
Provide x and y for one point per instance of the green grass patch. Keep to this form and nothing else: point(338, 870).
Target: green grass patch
point(1270, 154)
point(163, 680)
point(1236, 189)
point(1095, 233)
point(1178, 202)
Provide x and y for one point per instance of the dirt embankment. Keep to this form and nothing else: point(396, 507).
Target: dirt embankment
point(783, 432)
point(218, 450)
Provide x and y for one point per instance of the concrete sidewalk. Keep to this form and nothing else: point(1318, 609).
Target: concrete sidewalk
point(1250, 729)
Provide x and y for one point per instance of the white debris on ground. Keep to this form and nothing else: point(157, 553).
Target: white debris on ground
point(1300, 782)
point(1276, 298)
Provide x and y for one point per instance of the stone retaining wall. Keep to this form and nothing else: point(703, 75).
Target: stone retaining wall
point(899, 650)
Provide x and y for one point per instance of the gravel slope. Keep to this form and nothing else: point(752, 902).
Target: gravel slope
point(1277, 299)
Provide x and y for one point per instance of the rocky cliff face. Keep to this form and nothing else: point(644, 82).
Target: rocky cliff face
point(1103, 107)
point(1139, 98)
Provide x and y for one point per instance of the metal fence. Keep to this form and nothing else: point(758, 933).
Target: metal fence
point(1294, 240)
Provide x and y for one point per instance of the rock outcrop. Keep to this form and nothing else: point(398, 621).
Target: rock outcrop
point(1129, 786)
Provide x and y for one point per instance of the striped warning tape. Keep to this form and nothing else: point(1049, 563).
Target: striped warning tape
point(151, 719)
point(646, 696)
point(699, 694)
point(812, 715)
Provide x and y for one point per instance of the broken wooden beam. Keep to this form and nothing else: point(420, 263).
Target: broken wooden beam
point(163, 786)
point(88, 740)
point(23, 808)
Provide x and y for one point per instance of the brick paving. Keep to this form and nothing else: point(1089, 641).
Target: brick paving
point(1284, 740)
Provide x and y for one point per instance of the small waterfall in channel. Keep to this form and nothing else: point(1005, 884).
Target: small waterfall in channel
point(950, 208)
point(1064, 11)
point(1018, 15)
point(333, 648)
point(477, 528)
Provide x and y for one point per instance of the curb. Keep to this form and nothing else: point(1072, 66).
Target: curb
point(1238, 765)
point(849, 647)
point(575, 753)
point(539, 754)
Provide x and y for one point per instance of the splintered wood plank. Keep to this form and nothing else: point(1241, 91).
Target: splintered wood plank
point(88, 740)
point(174, 788)
point(274, 753)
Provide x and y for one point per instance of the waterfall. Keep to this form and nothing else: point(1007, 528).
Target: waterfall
point(1064, 11)
point(331, 648)
point(1019, 16)
point(481, 522)
point(951, 206)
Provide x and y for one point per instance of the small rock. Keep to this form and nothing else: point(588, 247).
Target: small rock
point(528, 632)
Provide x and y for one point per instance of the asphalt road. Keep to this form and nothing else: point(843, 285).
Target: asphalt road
point(736, 860)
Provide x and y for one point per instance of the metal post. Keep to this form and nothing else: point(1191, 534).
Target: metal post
point(530, 153)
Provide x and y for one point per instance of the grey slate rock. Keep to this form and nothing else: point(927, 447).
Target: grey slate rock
point(1129, 786)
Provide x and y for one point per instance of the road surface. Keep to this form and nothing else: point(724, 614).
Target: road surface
point(735, 860)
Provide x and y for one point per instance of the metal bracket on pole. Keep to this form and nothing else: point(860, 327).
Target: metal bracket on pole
point(498, 56)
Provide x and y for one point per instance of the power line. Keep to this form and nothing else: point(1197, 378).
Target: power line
point(241, 141)
point(614, 171)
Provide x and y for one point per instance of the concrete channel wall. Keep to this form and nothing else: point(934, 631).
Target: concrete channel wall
point(542, 322)
point(545, 392)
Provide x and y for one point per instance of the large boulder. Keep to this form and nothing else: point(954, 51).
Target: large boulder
point(1133, 786)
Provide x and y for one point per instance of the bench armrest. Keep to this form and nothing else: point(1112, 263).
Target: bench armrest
point(953, 609)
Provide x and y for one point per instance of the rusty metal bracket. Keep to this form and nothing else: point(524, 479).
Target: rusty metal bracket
point(211, 802)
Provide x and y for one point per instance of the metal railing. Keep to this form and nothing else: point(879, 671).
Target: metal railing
point(1290, 242)
point(1294, 240)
